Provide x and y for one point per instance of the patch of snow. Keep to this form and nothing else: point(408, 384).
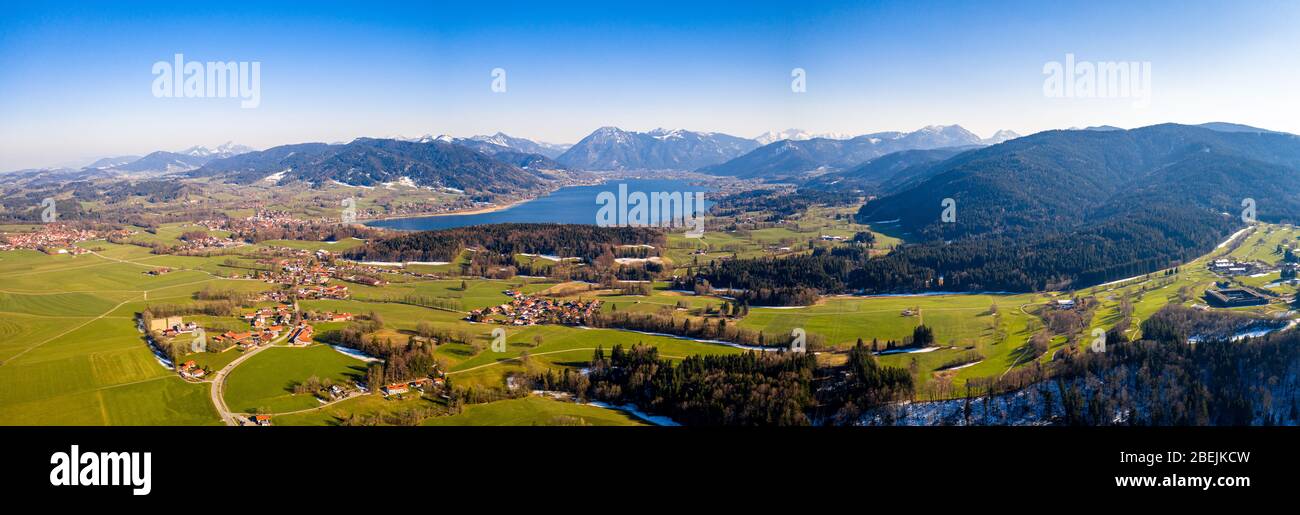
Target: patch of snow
point(354, 353)
point(657, 420)
point(913, 350)
point(276, 177)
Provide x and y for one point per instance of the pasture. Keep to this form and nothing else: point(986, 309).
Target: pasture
point(535, 411)
point(265, 381)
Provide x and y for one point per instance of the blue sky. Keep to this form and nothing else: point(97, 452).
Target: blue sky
point(75, 79)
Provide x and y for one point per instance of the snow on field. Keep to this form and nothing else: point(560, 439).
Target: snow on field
point(1233, 237)
point(628, 261)
point(346, 185)
point(631, 408)
point(354, 353)
point(549, 257)
point(959, 367)
point(1021, 408)
point(276, 177)
point(913, 350)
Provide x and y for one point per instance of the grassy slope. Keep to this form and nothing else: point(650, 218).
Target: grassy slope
point(534, 411)
point(266, 380)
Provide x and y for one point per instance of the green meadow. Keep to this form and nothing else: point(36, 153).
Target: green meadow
point(265, 381)
point(70, 353)
point(535, 411)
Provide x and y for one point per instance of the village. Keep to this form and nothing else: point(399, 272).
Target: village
point(313, 270)
point(531, 310)
point(261, 220)
point(51, 239)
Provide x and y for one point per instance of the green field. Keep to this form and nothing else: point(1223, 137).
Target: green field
point(70, 353)
point(265, 382)
point(535, 411)
point(961, 323)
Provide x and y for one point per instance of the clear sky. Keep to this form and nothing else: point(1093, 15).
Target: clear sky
point(76, 78)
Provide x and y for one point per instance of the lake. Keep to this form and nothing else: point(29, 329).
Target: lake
point(571, 205)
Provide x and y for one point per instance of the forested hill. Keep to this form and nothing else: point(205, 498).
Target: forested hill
point(1074, 208)
point(1059, 180)
point(506, 240)
point(1056, 210)
point(886, 172)
point(370, 162)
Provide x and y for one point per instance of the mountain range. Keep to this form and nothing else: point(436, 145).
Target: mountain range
point(787, 158)
point(886, 173)
point(611, 148)
point(797, 135)
point(497, 143)
point(367, 162)
point(169, 162)
point(1079, 207)
point(1057, 210)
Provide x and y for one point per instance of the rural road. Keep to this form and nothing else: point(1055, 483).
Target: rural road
point(218, 390)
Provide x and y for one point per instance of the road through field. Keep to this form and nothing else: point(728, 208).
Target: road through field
point(218, 390)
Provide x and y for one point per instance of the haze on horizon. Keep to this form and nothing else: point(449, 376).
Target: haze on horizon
point(76, 79)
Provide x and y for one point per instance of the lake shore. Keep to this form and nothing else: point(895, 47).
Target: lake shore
point(566, 205)
point(472, 211)
point(481, 210)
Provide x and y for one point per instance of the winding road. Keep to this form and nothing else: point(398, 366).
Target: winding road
point(218, 390)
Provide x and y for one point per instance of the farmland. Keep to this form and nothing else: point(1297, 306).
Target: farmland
point(70, 351)
point(535, 411)
point(265, 382)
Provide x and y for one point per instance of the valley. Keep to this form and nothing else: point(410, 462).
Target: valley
point(305, 313)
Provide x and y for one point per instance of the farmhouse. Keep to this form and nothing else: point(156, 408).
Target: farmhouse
point(191, 370)
point(1234, 297)
point(164, 323)
point(301, 335)
point(395, 389)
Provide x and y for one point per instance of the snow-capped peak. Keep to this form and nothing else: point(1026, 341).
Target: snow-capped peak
point(226, 149)
point(796, 135)
point(1001, 136)
point(664, 134)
